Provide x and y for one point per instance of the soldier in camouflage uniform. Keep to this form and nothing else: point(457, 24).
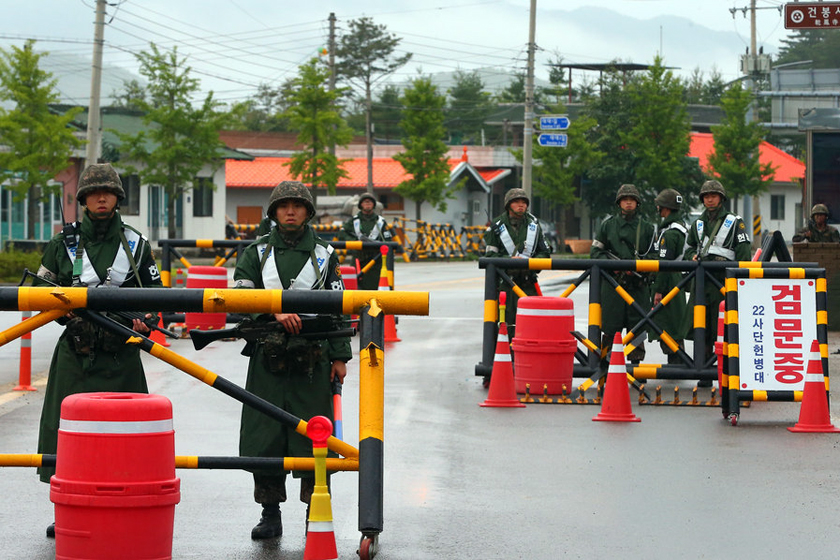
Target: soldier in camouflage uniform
point(717, 235)
point(289, 371)
point(516, 233)
point(670, 246)
point(366, 225)
point(624, 236)
point(99, 251)
point(818, 230)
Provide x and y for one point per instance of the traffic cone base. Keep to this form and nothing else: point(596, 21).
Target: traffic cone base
point(320, 541)
point(615, 406)
point(813, 413)
point(502, 393)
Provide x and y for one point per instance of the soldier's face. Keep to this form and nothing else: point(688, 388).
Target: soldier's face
point(291, 214)
point(518, 206)
point(628, 204)
point(711, 200)
point(367, 206)
point(820, 219)
point(101, 203)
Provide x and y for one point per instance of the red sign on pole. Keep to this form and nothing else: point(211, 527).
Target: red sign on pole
point(812, 15)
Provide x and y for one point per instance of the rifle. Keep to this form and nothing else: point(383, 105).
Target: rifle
point(151, 322)
point(613, 257)
point(313, 328)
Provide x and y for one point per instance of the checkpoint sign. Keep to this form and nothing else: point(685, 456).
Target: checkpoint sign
point(812, 15)
point(776, 324)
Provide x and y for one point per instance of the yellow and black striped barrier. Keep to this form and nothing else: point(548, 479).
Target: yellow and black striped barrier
point(371, 306)
point(596, 271)
point(203, 462)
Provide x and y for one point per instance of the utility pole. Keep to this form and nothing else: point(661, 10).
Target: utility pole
point(756, 201)
point(94, 132)
point(331, 55)
point(528, 138)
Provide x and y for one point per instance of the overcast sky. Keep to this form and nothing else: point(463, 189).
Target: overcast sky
point(234, 45)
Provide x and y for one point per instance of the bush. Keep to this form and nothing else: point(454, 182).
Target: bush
point(13, 261)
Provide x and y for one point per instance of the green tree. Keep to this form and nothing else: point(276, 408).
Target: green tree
point(735, 158)
point(713, 88)
point(180, 139)
point(514, 92)
point(264, 111)
point(132, 94)
point(469, 105)
point(644, 130)
point(313, 115)
point(38, 142)
point(385, 113)
point(424, 158)
point(660, 131)
point(612, 110)
point(365, 55)
point(559, 88)
point(821, 46)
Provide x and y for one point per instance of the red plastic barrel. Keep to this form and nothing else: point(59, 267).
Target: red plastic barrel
point(206, 277)
point(114, 487)
point(350, 277)
point(544, 347)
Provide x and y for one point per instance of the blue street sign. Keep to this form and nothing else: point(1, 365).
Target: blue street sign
point(555, 140)
point(554, 122)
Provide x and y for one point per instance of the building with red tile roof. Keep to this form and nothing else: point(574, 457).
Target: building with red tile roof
point(781, 205)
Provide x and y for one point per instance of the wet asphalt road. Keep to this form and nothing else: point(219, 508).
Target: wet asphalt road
point(465, 482)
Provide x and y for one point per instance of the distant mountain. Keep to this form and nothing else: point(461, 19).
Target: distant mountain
point(73, 73)
point(495, 79)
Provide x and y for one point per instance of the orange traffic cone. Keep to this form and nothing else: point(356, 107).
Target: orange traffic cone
point(615, 406)
point(320, 536)
point(390, 322)
point(158, 337)
point(502, 392)
point(813, 413)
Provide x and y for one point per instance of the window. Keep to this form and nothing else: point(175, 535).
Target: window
point(131, 205)
point(777, 207)
point(202, 197)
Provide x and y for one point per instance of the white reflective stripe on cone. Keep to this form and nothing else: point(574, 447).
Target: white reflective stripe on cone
point(209, 276)
point(545, 312)
point(814, 378)
point(320, 527)
point(105, 427)
point(501, 357)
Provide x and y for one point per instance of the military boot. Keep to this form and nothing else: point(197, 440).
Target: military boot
point(270, 525)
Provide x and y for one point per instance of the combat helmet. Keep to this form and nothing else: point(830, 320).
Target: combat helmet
point(366, 196)
point(514, 194)
point(819, 209)
point(99, 176)
point(290, 190)
point(712, 186)
point(628, 190)
point(669, 198)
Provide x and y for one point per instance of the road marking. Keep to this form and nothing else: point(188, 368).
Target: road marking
point(12, 395)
